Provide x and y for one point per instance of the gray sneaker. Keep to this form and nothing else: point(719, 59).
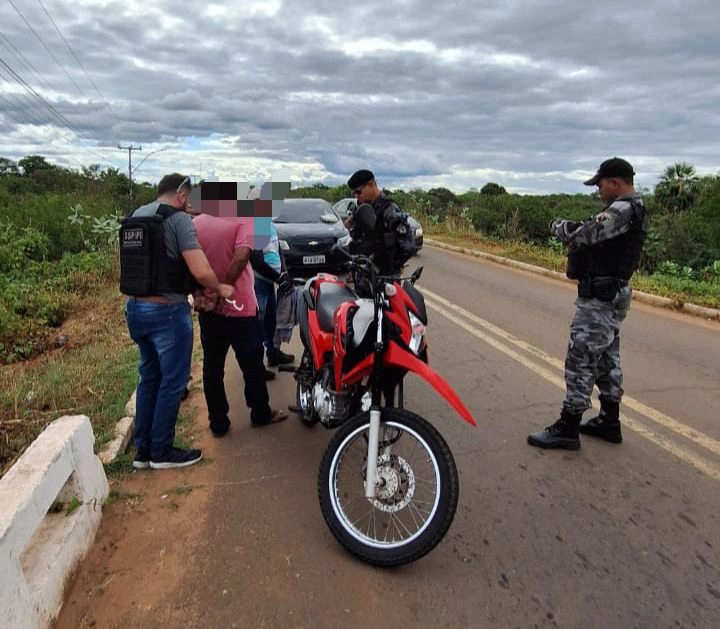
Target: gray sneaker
point(142, 459)
point(175, 457)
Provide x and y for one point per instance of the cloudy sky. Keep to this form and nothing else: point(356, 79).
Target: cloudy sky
point(531, 94)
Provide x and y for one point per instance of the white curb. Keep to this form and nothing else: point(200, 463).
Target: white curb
point(123, 432)
point(655, 300)
point(39, 550)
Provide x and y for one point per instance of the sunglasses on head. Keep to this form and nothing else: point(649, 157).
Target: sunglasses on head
point(182, 183)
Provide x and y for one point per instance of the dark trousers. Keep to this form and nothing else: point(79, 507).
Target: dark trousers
point(217, 334)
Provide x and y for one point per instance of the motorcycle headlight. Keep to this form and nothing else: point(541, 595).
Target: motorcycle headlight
point(284, 245)
point(418, 332)
point(344, 241)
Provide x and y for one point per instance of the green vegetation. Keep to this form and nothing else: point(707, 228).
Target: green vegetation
point(64, 347)
point(58, 229)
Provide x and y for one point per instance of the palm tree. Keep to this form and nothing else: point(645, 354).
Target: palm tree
point(675, 191)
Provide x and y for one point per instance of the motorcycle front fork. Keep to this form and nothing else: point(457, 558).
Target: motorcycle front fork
point(372, 453)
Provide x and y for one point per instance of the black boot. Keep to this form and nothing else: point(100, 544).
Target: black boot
point(607, 424)
point(562, 434)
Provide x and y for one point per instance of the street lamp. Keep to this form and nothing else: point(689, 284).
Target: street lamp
point(148, 155)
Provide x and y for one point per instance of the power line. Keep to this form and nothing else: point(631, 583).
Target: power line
point(57, 28)
point(10, 106)
point(54, 112)
point(52, 54)
point(24, 60)
point(4, 67)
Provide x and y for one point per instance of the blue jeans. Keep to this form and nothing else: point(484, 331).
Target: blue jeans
point(267, 305)
point(164, 334)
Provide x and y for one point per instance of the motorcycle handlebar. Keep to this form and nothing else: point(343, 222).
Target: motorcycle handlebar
point(362, 261)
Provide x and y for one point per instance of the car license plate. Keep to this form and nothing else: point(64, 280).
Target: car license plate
point(314, 259)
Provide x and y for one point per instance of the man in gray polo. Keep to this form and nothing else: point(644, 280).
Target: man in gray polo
point(161, 323)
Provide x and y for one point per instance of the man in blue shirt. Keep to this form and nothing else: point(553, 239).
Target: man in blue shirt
point(269, 268)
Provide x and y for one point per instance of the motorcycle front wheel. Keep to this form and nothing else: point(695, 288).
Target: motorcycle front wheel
point(416, 496)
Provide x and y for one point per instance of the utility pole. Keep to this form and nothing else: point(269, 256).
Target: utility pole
point(130, 149)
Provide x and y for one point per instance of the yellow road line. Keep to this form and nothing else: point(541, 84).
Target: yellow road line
point(704, 441)
point(703, 465)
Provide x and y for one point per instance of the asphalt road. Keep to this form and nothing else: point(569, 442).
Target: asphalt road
point(610, 537)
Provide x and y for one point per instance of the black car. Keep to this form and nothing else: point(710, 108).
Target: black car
point(307, 229)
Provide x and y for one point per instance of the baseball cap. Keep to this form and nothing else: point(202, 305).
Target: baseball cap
point(613, 167)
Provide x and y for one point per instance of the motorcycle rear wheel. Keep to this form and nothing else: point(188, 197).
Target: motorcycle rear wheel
point(417, 498)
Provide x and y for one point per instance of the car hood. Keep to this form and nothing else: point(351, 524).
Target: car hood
point(292, 230)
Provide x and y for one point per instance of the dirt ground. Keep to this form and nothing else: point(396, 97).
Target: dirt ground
point(149, 521)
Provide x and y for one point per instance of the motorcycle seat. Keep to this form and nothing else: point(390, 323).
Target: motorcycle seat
point(330, 296)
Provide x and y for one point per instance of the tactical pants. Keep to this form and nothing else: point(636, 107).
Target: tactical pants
point(593, 355)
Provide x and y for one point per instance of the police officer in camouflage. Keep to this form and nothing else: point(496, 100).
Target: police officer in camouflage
point(603, 253)
point(390, 245)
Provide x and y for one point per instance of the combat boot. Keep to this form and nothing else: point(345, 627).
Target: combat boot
point(607, 424)
point(562, 434)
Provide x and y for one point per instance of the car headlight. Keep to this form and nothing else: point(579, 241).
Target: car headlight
point(419, 231)
point(284, 245)
point(344, 241)
point(418, 332)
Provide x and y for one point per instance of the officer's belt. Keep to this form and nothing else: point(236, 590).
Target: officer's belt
point(602, 288)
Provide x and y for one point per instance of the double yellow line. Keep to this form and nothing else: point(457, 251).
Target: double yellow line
point(482, 329)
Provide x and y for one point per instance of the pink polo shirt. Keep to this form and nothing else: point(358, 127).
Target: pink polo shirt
point(220, 237)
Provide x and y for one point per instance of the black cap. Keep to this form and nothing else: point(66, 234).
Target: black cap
point(359, 178)
point(614, 167)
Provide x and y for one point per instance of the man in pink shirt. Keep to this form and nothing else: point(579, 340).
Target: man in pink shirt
point(227, 245)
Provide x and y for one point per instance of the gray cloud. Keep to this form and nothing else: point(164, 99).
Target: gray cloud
point(531, 95)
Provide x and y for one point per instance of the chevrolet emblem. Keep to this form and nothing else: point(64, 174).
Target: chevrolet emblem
point(313, 243)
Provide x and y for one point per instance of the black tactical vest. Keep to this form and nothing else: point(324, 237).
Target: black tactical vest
point(145, 267)
point(619, 257)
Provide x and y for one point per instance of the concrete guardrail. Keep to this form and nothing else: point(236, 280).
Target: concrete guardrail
point(39, 546)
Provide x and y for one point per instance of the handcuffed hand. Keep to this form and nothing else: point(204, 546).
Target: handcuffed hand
point(203, 302)
point(285, 283)
point(226, 291)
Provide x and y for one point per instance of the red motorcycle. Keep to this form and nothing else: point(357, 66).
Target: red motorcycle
point(388, 483)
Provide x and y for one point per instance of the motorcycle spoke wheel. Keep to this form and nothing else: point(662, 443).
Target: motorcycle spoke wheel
point(415, 499)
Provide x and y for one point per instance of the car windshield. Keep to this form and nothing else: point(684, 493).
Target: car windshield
point(306, 211)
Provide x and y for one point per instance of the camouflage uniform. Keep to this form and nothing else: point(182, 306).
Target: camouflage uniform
point(593, 354)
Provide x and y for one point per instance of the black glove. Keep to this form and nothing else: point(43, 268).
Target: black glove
point(285, 283)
